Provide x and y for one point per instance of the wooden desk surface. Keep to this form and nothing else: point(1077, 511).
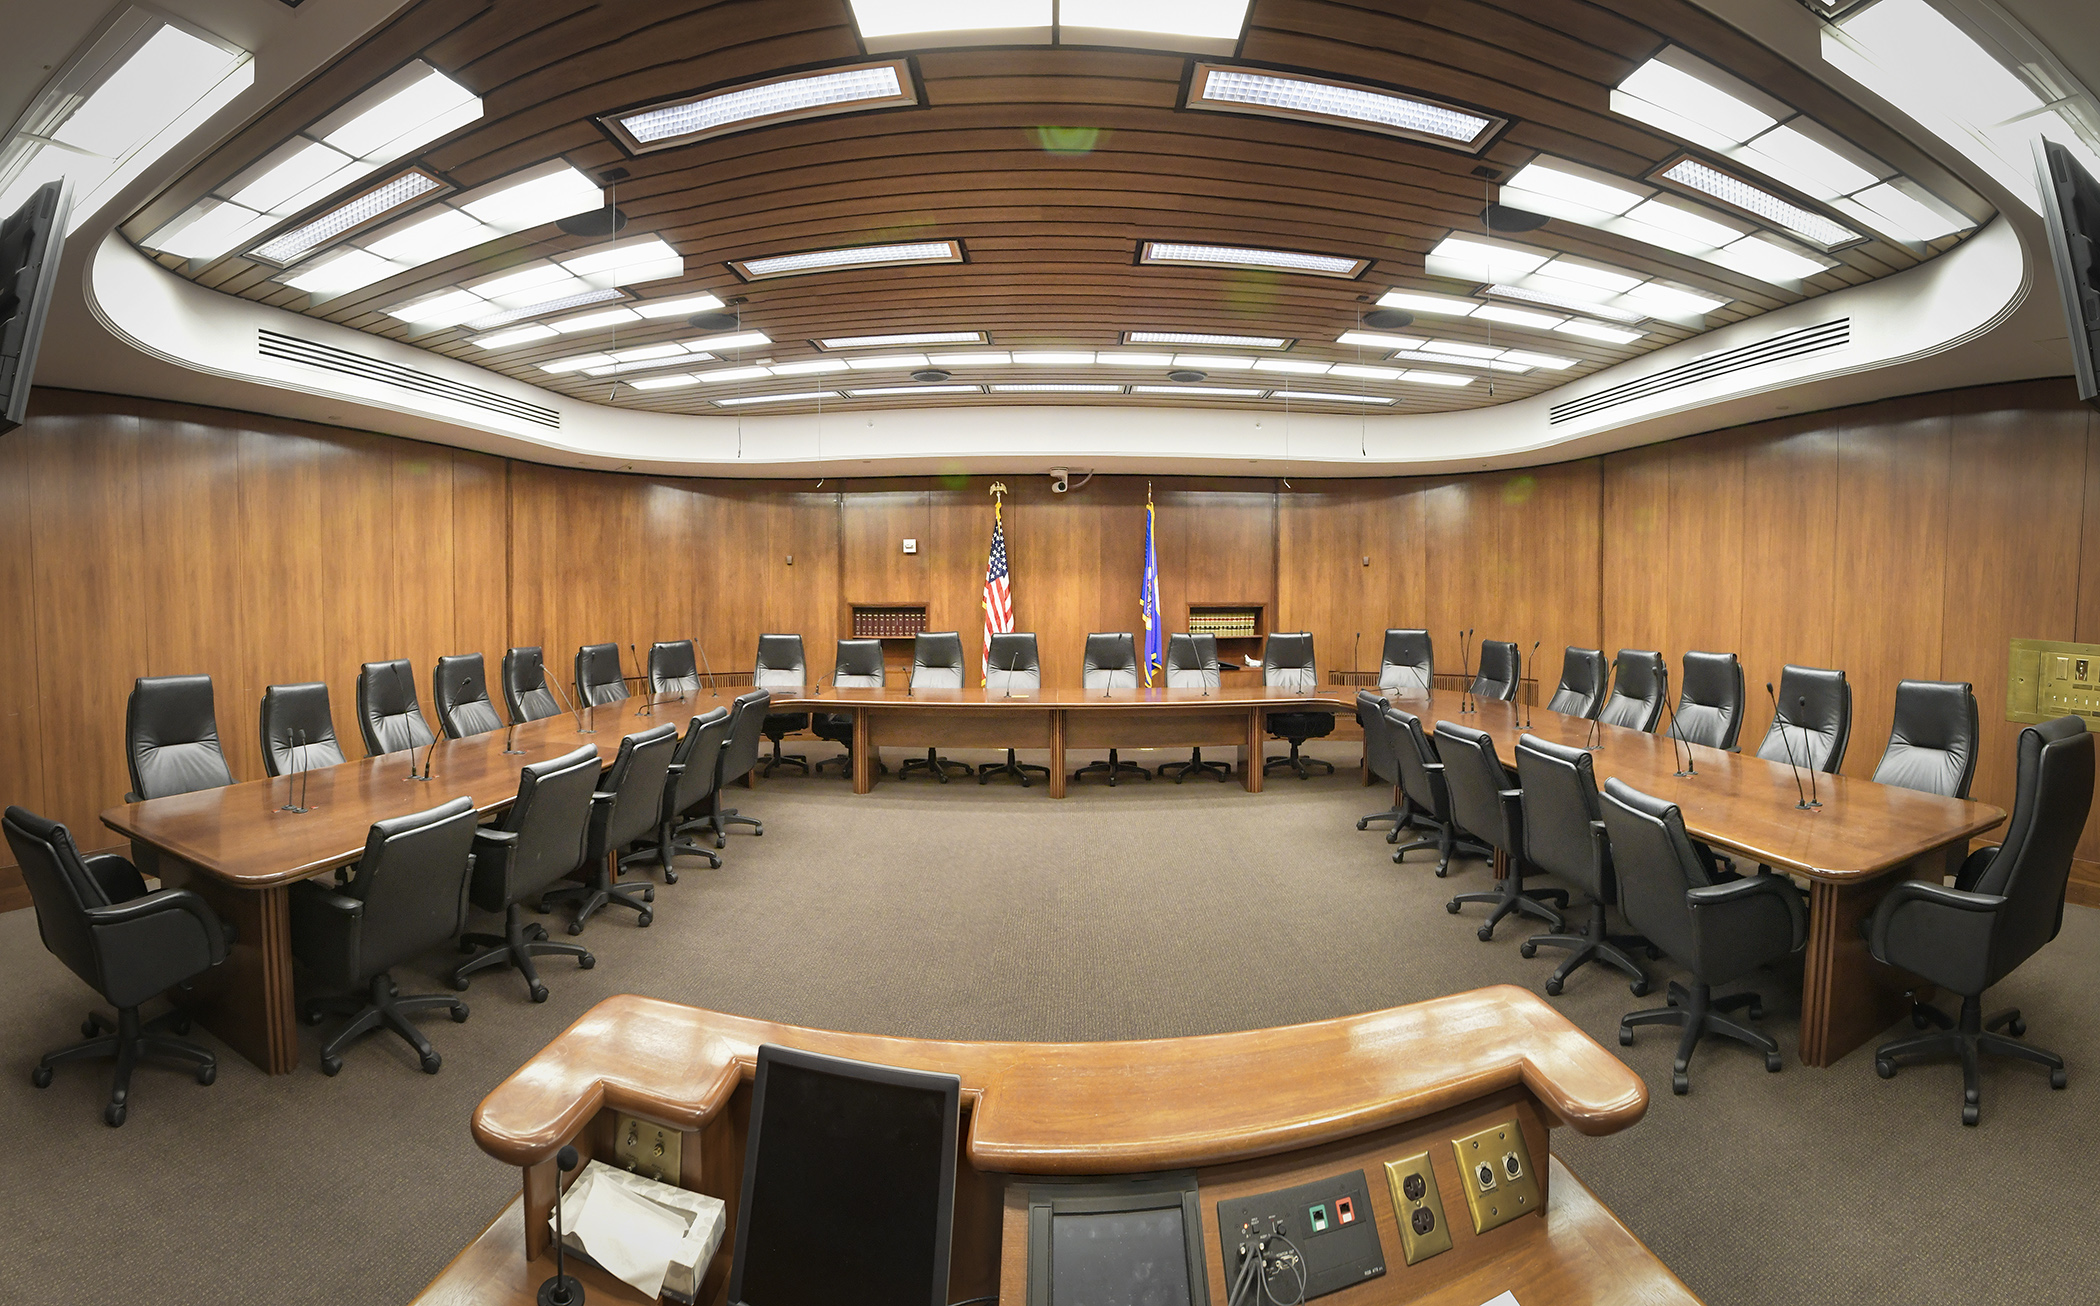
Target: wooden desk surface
point(1320, 698)
point(1093, 1108)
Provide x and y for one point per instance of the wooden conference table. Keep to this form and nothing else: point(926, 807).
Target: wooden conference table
point(1249, 1112)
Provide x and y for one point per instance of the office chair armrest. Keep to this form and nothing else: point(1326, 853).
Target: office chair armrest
point(503, 838)
point(676, 768)
point(119, 879)
point(1432, 766)
point(1739, 893)
point(1939, 933)
point(154, 936)
point(601, 796)
point(1974, 866)
point(326, 928)
point(130, 797)
point(1601, 864)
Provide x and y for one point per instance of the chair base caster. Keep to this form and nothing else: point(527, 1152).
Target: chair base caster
point(2057, 1079)
point(1639, 988)
point(1552, 987)
point(1625, 1037)
point(670, 876)
point(459, 1013)
point(539, 993)
point(1452, 906)
point(1970, 1114)
point(586, 961)
point(1772, 1063)
point(1486, 933)
point(1527, 950)
point(644, 919)
point(1884, 1068)
point(41, 1076)
point(432, 1063)
point(575, 927)
point(1680, 1083)
point(207, 1074)
point(331, 1065)
point(113, 1115)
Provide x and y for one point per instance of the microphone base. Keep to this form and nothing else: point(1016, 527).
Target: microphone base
point(290, 807)
point(514, 752)
point(561, 1290)
point(426, 779)
point(1802, 807)
point(1684, 775)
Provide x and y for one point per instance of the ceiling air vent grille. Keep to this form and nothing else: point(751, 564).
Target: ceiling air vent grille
point(1792, 344)
point(311, 353)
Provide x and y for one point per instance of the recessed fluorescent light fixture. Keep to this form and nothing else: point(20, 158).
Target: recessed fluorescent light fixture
point(1690, 174)
point(1677, 301)
point(1294, 366)
point(1054, 357)
point(664, 382)
point(1417, 302)
point(804, 396)
point(734, 340)
point(1096, 20)
point(652, 309)
point(852, 89)
point(582, 299)
point(1317, 397)
point(1364, 372)
point(857, 256)
point(1531, 296)
point(1570, 184)
point(880, 391)
point(1450, 380)
point(1214, 391)
point(1418, 356)
point(351, 215)
point(1549, 361)
point(1131, 358)
point(808, 367)
point(1599, 331)
point(442, 309)
point(903, 338)
point(1519, 317)
point(1058, 388)
point(1378, 340)
point(1770, 259)
point(1200, 338)
point(916, 24)
point(885, 362)
point(592, 321)
point(1461, 349)
point(1213, 362)
point(986, 358)
point(1272, 93)
point(1685, 96)
point(561, 366)
point(524, 335)
point(1472, 258)
point(724, 375)
point(1176, 254)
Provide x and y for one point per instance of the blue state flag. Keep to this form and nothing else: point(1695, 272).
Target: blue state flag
point(1148, 601)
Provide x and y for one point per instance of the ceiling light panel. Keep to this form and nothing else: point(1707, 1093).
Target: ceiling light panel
point(804, 396)
point(1438, 305)
point(1418, 356)
point(1208, 25)
point(1131, 358)
point(685, 306)
point(1272, 93)
point(1319, 397)
point(879, 392)
point(1054, 357)
point(982, 358)
point(1518, 317)
point(1378, 340)
point(1270, 260)
point(353, 214)
point(1449, 380)
point(1200, 338)
point(1211, 391)
point(1599, 331)
point(1770, 259)
point(917, 24)
point(854, 89)
point(1294, 366)
point(858, 256)
point(808, 367)
point(1472, 258)
point(1058, 387)
point(1688, 97)
point(664, 382)
point(889, 362)
point(727, 375)
point(561, 305)
point(1532, 295)
point(904, 338)
point(523, 335)
point(1688, 173)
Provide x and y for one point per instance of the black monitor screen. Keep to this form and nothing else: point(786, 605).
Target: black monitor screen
point(1119, 1258)
point(849, 1184)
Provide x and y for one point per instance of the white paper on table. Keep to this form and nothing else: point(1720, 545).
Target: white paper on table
point(631, 1238)
point(1506, 1299)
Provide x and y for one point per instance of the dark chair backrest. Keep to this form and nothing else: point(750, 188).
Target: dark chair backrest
point(1110, 662)
point(1581, 690)
point(1192, 662)
point(1710, 705)
point(858, 665)
point(1378, 737)
point(60, 887)
point(699, 754)
point(552, 818)
point(387, 712)
point(1560, 805)
point(1408, 663)
point(937, 660)
point(460, 685)
point(1476, 780)
point(779, 662)
point(1655, 864)
point(525, 689)
point(1814, 721)
point(1501, 671)
point(1287, 661)
point(1413, 755)
point(2054, 795)
point(1016, 663)
point(1640, 687)
point(171, 737)
point(412, 879)
point(1932, 745)
point(746, 721)
point(298, 730)
point(673, 668)
point(598, 675)
point(636, 782)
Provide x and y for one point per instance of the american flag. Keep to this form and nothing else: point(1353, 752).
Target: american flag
point(998, 590)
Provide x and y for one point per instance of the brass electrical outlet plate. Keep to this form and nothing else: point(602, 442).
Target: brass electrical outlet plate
point(646, 1149)
point(2049, 678)
point(1418, 1206)
point(1494, 1167)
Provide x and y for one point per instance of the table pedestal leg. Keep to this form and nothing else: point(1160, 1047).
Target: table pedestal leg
point(1057, 755)
point(863, 759)
point(247, 999)
point(1251, 777)
point(1847, 997)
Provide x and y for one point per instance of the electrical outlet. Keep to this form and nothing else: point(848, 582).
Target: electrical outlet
point(646, 1149)
point(911, 546)
point(1418, 1206)
point(1494, 1168)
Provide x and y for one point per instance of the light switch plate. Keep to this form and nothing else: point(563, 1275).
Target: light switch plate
point(911, 546)
point(1494, 1167)
point(1418, 1206)
point(646, 1149)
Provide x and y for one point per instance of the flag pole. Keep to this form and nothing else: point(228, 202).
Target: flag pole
point(998, 493)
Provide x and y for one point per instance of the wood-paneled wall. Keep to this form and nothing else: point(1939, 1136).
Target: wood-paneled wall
point(1911, 538)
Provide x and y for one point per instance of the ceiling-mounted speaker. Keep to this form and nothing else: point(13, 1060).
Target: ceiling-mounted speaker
point(931, 375)
point(607, 221)
point(1388, 319)
point(1503, 218)
point(1187, 374)
point(713, 322)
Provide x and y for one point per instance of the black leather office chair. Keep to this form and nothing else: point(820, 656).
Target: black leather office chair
point(387, 712)
point(936, 663)
point(1014, 666)
point(780, 665)
point(1710, 706)
point(1381, 764)
point(1422, 780)
point(1640, 686)
point(540, 840)
point(1485, 800)
point(1932, 744)
point(525, 689)
point(1408, 664)
point(2005, 905)
point(298, 730)
point(1814, 721)
point(1110, 663)
point(1565, 836)
point(171, 738)
point(1287, 662)
point(1581, 690)
point(1501, 671)
point(739, 754)
point(1192, 663)
point(624, 810)
point(1719, 931)
point(95, 915)
point(409, 896)
point(460, 687)
point(691, 782)
point(856, 665)
point(598, 675)
point(673, 669)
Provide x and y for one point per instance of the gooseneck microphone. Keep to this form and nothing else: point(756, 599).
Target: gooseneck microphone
point(1779, 724)
point(563, 1289)
point(1465, 670)
point(1676, 738)
point(648, 707)
point(510, 740)
point(292, 801)
point(714, 692)
point(1355, 647)
point(1814, 798)
point(1533, 706)
point(572, 703)
point(306, 775)
point(1595, 739)
point(1012, 664)
point(394, 671)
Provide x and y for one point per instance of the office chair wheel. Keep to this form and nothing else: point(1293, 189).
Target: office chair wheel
point(1970, 1113)
point(670, 876)
point(206, 1073)
point(2057, 1079)
point(760, 833)
point(1443, 868)
point(1884, 1067)
point(586, 961)
point(539, 993)
point(113, 1115)
point(536, 931)
point(1552, 986)
point(460, 982)
point(1639, 987)
point(459, 1013)
point(1919, 1020)
point(649, 894)
point(644, 919)
point(1527, 950)
point(1772, 1063)
point(1680, 1083)
point(1625, 1037)
point(1363, 823)
point(1452, 906)
point(2016, 1027)
point(575, 927)
point(41, 1076)
point(331, 1065)
point(431, 1062)
point(88, 1028)
point(1486, 933)
point(1654, 953)
point(1756, 1011)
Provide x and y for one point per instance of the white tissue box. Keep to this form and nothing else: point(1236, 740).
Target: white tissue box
point(684, 1258)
